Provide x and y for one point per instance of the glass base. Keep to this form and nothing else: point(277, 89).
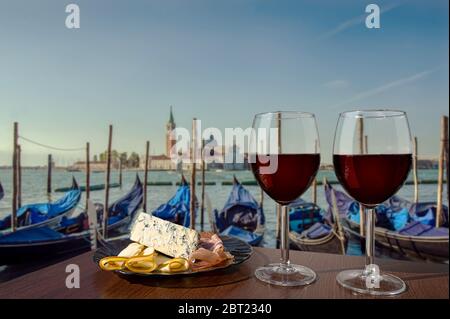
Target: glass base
point(378, 284)
point(286, 275)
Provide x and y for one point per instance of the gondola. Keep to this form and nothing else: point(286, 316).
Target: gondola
point(177, 209)
point(405, 229)
point(312, 229)
point(25, 245)
point(71, 235)
point(2, 192)
point(241, 217)
point(45, 214)
point(123, 210)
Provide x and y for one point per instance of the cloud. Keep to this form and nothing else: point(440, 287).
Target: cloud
point(337, 84)
point(388, 86)
point(355, 21)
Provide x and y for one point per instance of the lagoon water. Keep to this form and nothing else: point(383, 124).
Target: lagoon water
point(34, 190)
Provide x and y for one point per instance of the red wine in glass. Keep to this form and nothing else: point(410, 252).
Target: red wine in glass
point(284, 157)
point(372, 178)
point(293, 177)
point(372, 159)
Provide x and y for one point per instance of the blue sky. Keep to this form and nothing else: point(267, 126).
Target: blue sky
point(221, 61)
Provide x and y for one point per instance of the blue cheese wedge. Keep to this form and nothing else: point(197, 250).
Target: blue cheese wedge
point(168, 238)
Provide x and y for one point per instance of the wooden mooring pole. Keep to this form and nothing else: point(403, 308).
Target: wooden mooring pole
point(446, 156)
point(193, 172)
point(278, 206)
point(88, 173)
point(261, 198)
point(361, 138)
point(120, 172)
point(314, 182)
point(202, 207)
point(147, 154)
point(415, 175)
point(314, 191)
point(19, 176)
point(49, 173)
point(15, 182)
point(366, 144)
point(443, 142)
point(107, 181)
point(278, 225)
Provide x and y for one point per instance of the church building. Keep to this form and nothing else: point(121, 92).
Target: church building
point(163, 162)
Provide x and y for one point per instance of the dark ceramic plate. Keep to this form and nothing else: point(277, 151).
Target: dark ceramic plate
point(238, 248)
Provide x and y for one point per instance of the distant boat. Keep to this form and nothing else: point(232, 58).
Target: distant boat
point(177, 209)
point(48, 214)
point(251, 182)
point(312, 230)
point(241, 217)
point(2, 192)
point(72, 234)
point(96, 187)
point(416, 236)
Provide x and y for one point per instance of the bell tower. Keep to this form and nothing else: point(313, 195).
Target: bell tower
point(170, 126)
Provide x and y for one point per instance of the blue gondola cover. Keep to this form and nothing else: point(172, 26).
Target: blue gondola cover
point(28, 236)
point(302, 215)
point(245, 235)
point(240, 216)
point(396, 214)
point(307, 219)
point(125, 206)
point(177, 209)
point(36, 213)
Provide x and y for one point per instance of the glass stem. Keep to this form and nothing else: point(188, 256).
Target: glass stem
point(370, 239)
point(284, 236)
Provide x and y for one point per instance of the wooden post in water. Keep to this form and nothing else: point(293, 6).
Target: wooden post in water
point(19, 176)
point(49, 173)
point(261, 195)
point(147, 154)
point(193, 172)
point(314, 191)
point(202, 207)
point(337, 222)
point(366, 144)
point(360, 126)
point(446, 158)
point(120, 172)
point(14, 197)
point(278, 228)
point(415, 175)
point(107, 180)
point(314, 182)
point(92, 219)
point(444, 140)
point(88, 174)
point(278, 206)
point(261, 198)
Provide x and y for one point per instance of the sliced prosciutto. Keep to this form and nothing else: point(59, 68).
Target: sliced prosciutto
point(210, 253)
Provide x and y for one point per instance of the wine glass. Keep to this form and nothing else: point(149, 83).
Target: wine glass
point(284, 158)
point(372, 158)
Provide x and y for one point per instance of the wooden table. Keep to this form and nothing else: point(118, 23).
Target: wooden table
point(424, 280)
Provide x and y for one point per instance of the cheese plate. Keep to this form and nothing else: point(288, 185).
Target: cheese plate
point(240, 250)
